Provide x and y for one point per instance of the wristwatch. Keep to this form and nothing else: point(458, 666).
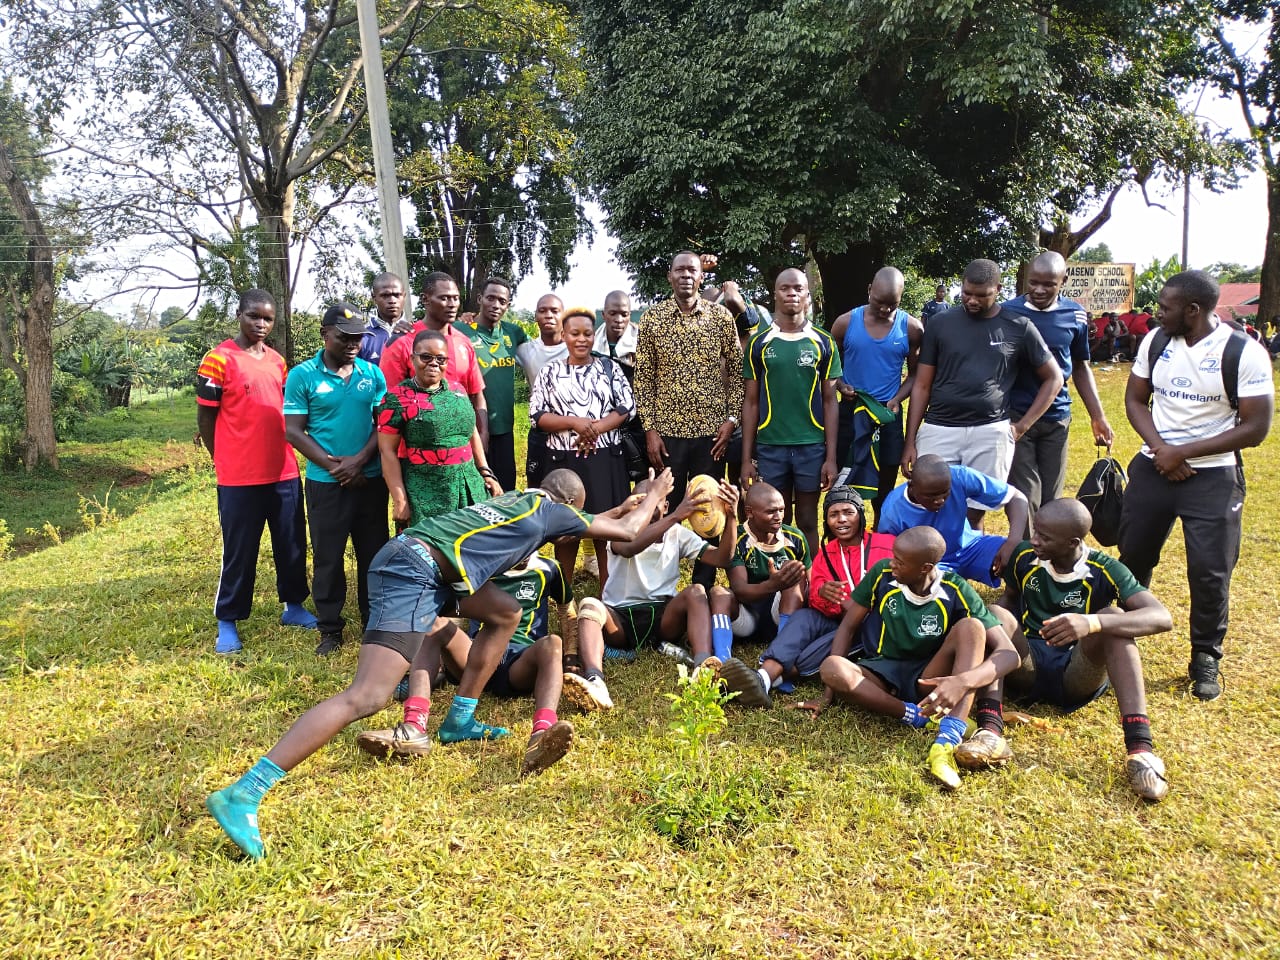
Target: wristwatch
point(733, 418)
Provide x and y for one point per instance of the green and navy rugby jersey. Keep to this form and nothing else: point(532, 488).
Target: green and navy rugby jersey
point(791, 368)
point(1097, 582)
point(532, 586)
point(494, 535)
point(905, 629)
point(755, 556)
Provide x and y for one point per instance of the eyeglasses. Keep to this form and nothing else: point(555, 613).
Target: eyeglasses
point(431, 359)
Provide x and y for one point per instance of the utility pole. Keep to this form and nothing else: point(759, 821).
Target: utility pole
point(1186, 217)
point(384, 162)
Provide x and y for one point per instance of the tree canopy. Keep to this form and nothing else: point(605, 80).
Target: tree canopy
point(872, 131)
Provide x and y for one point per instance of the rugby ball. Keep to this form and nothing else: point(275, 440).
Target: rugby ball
point(707, 520)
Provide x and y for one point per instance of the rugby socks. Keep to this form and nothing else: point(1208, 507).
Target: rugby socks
point(236, 807)
point(543, 719)
point(765, 679)
point(591, 673)
point(721, 636)
point(989, 715)
point(228, 637)
point(951, 731)
point(296, 615)
point(1137, 733)
point(262, 776)
point(416, 710)
point(461, 723)
point(782, 621)
point(912, 716)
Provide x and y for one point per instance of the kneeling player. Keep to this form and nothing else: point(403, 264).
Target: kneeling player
point(641, 605)
point(768, 571)
point(409, 580)
point(1072, 636)
point(530, 665)
point(928, 629)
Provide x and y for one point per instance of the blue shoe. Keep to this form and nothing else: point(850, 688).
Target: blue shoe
point(475, 730)
point(238, 819)
point(786, 686)
point(228, 638)
point(296, 615)
point(402, 689)
point(622, 656)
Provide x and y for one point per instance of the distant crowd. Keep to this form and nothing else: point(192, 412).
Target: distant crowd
point(838, 477)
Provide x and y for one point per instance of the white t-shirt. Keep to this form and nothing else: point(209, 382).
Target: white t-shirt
point(1189, 402)
point(534, 355)
point(653, 573)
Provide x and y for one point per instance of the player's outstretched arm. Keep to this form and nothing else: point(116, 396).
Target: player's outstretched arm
point(625, 528)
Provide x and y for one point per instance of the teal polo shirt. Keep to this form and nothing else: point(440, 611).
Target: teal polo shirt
point(339, 412)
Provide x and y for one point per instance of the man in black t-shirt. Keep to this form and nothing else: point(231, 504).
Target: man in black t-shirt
point(968, 363)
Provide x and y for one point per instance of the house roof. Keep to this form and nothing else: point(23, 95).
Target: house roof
point(1239, 299)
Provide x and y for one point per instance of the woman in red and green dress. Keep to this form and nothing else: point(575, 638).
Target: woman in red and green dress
point(432, 457)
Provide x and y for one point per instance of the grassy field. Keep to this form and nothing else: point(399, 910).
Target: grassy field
point(116, 719)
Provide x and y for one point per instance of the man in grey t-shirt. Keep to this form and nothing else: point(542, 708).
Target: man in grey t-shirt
point(968, 363)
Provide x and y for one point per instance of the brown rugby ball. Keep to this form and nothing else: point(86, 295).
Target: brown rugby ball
point(707, 520)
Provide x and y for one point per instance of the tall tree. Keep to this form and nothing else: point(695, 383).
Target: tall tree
point(27, 287)
point(919, 131)
point(482, 134)
point(203, 107)
point(1254, 81)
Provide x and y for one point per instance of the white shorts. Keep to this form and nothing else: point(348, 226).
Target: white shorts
point(744, 624)
point(987, 448)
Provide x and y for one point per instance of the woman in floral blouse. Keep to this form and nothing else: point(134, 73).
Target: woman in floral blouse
point(432, 457)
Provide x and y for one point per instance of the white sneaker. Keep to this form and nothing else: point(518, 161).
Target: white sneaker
point(1146, 775)
point(591, 564)
point(586, 695)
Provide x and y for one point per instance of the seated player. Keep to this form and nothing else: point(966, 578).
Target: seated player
point(800, 647)
point(531, 664)
point(1080, 613)
point(767, 573)
point(936, 496)
point(926, 628)
point(642, 603)
point(409, 580)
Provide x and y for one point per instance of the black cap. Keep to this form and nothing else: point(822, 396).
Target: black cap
point(345, 317)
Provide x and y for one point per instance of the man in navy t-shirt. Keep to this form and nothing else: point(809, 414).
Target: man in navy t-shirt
point(1040, 458)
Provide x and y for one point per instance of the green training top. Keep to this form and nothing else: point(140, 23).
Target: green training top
point(1098, 581)
point(791, 368)
point(755, 556)
point(496, 357)
point(531, 587)
point(906, 630)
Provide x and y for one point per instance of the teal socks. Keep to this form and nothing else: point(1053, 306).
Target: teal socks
point(461, 723)
point(236, 807)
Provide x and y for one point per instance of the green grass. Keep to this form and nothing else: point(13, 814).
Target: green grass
point(118, 463)
point(116, 720)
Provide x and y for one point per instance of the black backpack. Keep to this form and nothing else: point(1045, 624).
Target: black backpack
point(1103, 493)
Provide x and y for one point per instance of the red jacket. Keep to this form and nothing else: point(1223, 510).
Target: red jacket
point(834, 562)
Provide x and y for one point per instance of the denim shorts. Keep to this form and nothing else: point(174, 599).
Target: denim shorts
point(406, 590)
point(796, 467)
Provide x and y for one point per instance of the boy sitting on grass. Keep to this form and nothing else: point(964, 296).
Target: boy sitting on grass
point(799, 648)
point(531, 664)
point(1074, 635)
point(768, 572)
point(928, 630)
point(642, 603)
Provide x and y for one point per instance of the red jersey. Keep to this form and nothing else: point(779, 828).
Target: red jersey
point(462, 372)
point(836, 562)
point(1140, 325)
point(248, 438)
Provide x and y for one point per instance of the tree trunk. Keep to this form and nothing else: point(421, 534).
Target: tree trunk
point(1269, 299)
point(39, 445)
point(847, 276)
point(275, 214)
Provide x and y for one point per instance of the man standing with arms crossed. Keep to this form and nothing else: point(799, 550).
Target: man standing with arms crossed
point(496, 342)
point(1040, 458)
point(969, 359)
point(1196, 404)
point(875, 342)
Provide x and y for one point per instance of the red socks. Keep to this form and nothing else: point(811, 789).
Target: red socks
point(416, 710)
point(543, 720)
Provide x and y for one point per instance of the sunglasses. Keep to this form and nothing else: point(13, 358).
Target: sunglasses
point(431, 359)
